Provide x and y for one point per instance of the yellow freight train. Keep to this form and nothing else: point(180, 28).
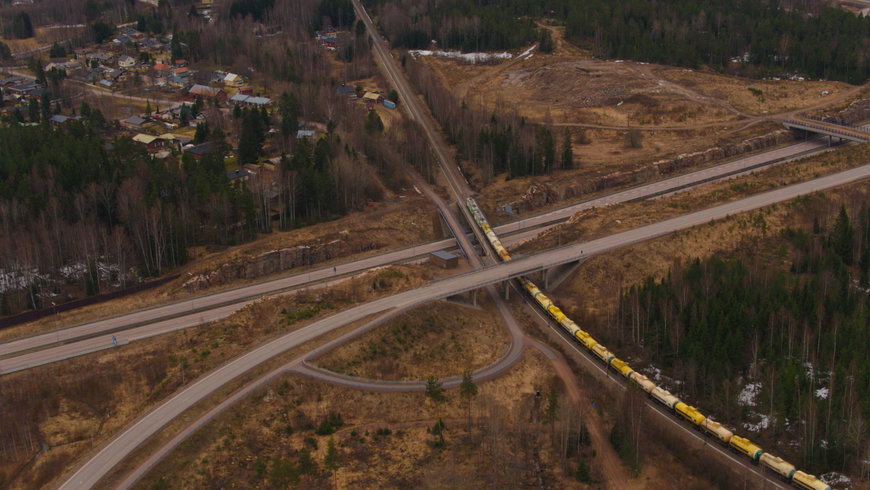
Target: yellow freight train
point(701, 422)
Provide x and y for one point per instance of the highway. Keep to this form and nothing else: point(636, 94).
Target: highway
point(528, 227)
point(89, 473)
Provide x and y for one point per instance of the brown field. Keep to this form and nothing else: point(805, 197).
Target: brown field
point(499, 448)
point(69, 404)
point(677, 111)
point(438, 339)
point(43, 36)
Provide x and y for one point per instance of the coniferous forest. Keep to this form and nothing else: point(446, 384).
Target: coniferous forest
point(773, 38)
point(720, 324)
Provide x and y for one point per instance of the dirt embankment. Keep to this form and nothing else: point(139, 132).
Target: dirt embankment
point(268, 263)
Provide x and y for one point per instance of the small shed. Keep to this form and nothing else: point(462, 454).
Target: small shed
point(444, 259)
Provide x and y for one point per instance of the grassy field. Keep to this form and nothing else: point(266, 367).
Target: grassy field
point(438, 339)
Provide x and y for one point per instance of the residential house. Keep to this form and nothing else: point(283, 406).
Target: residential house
point(346, 91)
point(122, 39)
point(305, 133)
point(171, 141)
point(207, 92)
point(250, 101)
point(161, 70)
point(100, 57)
point(11, 81)
point(151, 142)
point(198, 151)
point(132, 33)
point(58, 119)
point(116, 75)
point(233, 80)
point(134, 122)
point(240, 174)
point(151, 44)
point(178, 82)
point(181, 71)
point(373, 98)
point(126, 62)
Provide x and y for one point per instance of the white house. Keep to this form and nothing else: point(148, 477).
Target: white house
point(126, 61)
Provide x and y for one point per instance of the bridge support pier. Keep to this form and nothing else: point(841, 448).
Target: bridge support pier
point(473, 297)
point(507, 290)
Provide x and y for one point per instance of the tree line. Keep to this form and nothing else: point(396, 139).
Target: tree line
point(773, 37)
point(719, 324)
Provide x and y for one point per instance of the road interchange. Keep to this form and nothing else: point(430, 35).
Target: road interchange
point(116, 449)
point(154, 321)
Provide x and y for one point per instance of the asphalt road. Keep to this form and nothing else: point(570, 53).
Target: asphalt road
point(528, 227)
point(206, 307)
point(89, 473)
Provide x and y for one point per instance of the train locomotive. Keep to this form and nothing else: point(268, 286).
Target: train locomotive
point(785, 470)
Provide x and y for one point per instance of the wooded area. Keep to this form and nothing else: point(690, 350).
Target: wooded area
point(719, 324)
point(496, 141)
point(136, 217)
point(774, 38)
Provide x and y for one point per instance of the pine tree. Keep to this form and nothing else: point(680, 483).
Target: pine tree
point(567, 152)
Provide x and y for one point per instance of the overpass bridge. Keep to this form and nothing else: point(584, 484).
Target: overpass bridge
point(829, 129)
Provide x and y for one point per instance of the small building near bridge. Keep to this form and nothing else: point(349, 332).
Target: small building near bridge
point(445, 260)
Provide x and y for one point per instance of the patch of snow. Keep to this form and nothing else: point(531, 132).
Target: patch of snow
point(530, 56)
point(823, 443)
point(655, 373)
point(763, 423)
point(822, 393)
point(467, 57)
point(532, 48)
point(836, 479)
point(810, 370)
point(747, 395)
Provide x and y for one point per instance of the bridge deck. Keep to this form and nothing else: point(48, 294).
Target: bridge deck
point(851, 133)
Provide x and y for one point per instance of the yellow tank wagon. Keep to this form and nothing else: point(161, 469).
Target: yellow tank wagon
point(690, 413)
point(621, 367)
point(746, 447)
point(664, 397)
point(569, 326)
point(556, 313)
point(602, 353)
point(717, 430)
point(810, 482)
point(778, 465)
point(585, 339)
point(642, 381)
